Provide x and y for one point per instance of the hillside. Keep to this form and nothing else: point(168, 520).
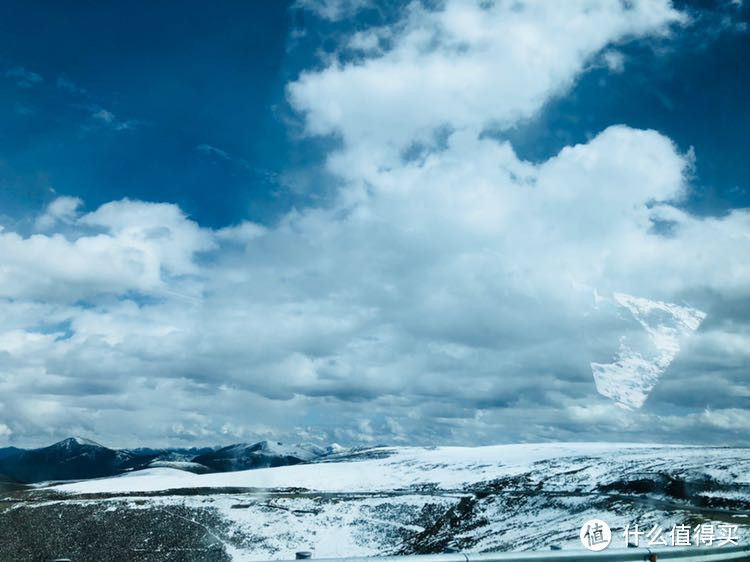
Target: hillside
point(265, 454)
point(77, 458)
point(72, 458)
point(389, 500)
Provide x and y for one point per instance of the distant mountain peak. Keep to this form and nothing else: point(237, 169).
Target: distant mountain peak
point(78, 457)
point(77, 441)
point(71, 458)
point(263, 454)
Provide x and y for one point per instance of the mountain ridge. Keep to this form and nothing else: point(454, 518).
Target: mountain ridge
point(80, 458)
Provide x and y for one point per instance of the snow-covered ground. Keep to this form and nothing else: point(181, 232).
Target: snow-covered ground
point(411, 500)
point(447, 467)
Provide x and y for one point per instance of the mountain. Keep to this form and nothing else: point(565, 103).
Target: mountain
point(243, 456)
point(71, 459)
point(77, 458)
point(172, 457)
point(388, 500)
point(171, 453)
point(9, 451)
point(9, 484)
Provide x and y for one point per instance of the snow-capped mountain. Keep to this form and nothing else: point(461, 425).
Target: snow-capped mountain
point(391, 500)
point(179, 458)
point(77, 458)
point(72, 458)
point(265, 454)
point(171, 453)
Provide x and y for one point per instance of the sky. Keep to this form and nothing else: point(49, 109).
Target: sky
point(404, 223)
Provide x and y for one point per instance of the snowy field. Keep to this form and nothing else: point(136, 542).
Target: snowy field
point(390, 501)
point(446, 467)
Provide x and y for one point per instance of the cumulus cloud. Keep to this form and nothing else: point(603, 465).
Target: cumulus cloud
point(467, 65)
point(62, 209)
point(122, 246)
point(450, 291)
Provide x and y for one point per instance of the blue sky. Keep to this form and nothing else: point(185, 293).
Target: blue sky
point(175, 76)
point(178, 76)
point(405, 223)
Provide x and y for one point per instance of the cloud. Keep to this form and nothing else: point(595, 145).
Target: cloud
point(212, 150)
point(730, 418)
point(333, 10)
point(69, 86)
point(614, 60)
point(103, 115)
point(122, 246)
point(108, 119)
point(465, 66)
point(25, 78)
point(449, 292)
point(62, 209)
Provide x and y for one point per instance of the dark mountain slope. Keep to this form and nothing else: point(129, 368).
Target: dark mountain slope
point(70, 459)
point(9, 451)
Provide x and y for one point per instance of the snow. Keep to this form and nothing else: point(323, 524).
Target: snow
point(180, 465)
point(371, 502)
point(335, 448)
point(276, 448)
point(82, 441)
point(395, 468)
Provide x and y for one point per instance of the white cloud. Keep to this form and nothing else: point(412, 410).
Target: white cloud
point(614, 60)
point(5, 431)
point(463, 66)
point(730, 418)
point(61, 209)
point(455, 295)
point(122, 246)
